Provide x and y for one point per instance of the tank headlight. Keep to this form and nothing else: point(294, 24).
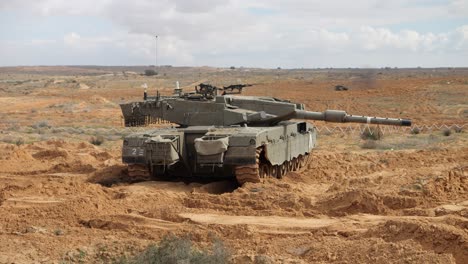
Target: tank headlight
point(125, 142)
point(252, 142)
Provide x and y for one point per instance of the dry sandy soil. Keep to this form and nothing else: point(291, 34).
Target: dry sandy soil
point(403, 199)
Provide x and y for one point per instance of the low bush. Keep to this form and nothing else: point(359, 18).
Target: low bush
point(415, 130)
point(175, 250)
point(447, 132)
point(12, 140)
point(97, 141)
point(41, 124)
point(372, 133)
point(19, 141)
point(263, 259)
point(457, 129)
point(150, 73)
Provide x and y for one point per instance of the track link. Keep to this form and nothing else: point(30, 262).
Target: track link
point(138, 172)
point(249, 173)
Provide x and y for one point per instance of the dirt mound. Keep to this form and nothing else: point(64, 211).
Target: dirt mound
point(360, 201)
point(96, 99)
point(443, 186)
point(353, 202)
point(101, 155)
point(83, 86)
point(12, 152)
point(326, 166)
point(256, 199)
point(53, 156)
point(75, 166)
point(110, 175)
point(359, 249)
point(19, 154)
point(50, 154)
point(451, 186)
point(440, 238)
point(104, 224)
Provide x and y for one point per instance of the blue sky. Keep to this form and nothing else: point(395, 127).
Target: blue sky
point(264, 33)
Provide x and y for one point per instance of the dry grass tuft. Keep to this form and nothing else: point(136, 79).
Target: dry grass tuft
point(372, 133)
point(97, 141)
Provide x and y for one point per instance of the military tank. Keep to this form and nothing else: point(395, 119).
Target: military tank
point(218, 134)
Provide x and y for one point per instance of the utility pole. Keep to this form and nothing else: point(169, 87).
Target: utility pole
point(157, 66)
point(157, 52)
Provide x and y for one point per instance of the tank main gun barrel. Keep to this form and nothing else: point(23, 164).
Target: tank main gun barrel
point(338, 116)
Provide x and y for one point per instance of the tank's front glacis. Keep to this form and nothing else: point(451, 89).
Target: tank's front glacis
point(133, 150)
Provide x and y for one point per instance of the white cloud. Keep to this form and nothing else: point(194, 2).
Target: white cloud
point(461, 38)
point(459, 7)
point(263, 32)
point(72, 39)
point(43, 41)
point(205, 6)
point(78, 42)
point(409, 40)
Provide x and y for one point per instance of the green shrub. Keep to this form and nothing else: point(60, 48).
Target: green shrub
point(415, 130)
point(446, 132)
point(19, 141)
point(263, 259)
point(457, 129)
point(175, 250)
point(11, 140)
point(97, 141)
point(150, 72)
point(41, 124)
point(372, 133)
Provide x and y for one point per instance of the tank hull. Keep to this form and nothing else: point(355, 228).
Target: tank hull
point(247, 153)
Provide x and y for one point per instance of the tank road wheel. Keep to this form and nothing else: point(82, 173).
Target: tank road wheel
point(137, 172)
point(270, 170)
point(264, 171)
point(307, 158)
point(275, 170)
point(295, 164)
point(283, 170)
point(290, 165)
point(301, 160)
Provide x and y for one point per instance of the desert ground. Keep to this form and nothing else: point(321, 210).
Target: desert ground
point(65, 197)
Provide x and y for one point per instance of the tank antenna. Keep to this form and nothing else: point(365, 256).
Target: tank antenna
point(145, 93)
point(177, 90)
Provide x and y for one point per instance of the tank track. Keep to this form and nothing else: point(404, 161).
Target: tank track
point(244, 173)
point(256, 172)
point(249, 173)
point(138, 172)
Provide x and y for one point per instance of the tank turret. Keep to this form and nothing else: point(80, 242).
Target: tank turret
point(219, 134)
point(205, 107)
